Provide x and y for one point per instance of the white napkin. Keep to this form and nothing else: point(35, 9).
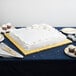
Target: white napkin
point(4, 53)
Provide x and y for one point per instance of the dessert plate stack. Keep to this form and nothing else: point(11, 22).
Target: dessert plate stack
point(70, 32)
point(70, 50)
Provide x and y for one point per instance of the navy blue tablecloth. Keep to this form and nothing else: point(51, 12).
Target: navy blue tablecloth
point(51, 54)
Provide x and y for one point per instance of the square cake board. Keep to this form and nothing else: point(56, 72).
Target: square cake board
point(27, 52)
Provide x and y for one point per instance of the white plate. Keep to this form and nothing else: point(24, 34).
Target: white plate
point(68, 53)
point(69, 30)
point(1, 37)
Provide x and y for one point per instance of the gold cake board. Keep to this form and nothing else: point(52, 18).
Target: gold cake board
point(27, 52)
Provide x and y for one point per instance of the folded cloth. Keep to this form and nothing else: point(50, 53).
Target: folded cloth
point(4, 53)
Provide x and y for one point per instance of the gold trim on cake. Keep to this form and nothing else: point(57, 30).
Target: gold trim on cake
point(27, 52)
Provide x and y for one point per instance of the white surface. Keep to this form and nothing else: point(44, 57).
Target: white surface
point(69, 30)
point(38, 36)
point(28, 12)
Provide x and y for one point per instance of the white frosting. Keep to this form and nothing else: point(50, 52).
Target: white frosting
point(38, 36)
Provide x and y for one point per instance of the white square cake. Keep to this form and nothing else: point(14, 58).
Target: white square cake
point(37, 36)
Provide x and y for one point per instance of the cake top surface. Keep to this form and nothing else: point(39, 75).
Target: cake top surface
point(37, 33)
